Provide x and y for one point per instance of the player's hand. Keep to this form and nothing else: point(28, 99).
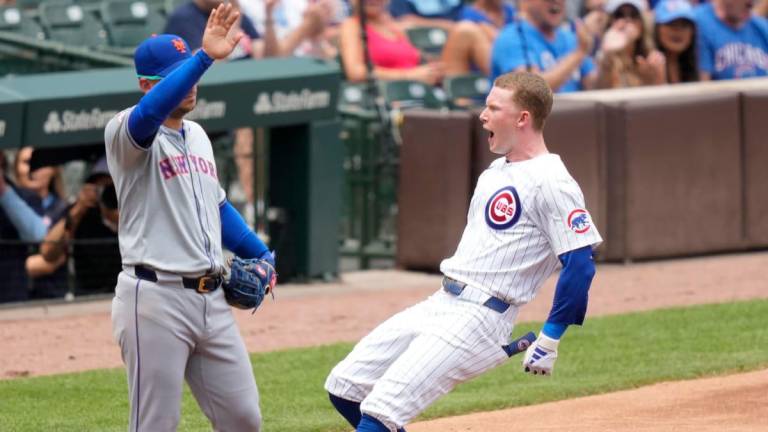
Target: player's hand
point(540, 356)
point(221, 35)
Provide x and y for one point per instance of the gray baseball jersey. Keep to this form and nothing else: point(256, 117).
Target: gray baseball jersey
point(170, 228)
point(522, 215)
point(159, 190)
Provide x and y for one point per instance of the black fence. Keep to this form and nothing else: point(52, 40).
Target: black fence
point(89, 268)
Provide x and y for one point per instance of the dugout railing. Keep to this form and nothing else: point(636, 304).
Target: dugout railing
point(293, 99)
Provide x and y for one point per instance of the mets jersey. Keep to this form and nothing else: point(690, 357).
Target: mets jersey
point(521, 217)
point(159, 190)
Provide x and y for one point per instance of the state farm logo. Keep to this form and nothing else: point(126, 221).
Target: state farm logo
point(267, 103)
point(75, 121)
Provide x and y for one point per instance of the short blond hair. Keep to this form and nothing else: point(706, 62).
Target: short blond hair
point(530, 92)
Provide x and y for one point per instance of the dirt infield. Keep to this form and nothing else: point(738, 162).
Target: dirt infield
point(732, 403)
point(55, 339)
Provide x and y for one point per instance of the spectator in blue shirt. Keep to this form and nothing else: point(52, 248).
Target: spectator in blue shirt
point(733, 43)
point(435, 13)
point(540, 43)
point(469, 43)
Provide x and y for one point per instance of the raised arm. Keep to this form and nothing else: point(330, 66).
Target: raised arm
point(157, 104)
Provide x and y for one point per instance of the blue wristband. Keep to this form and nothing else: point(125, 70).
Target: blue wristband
point(554, 330)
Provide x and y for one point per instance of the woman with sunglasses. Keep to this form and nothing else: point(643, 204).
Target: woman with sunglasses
point(627, 57)
point(675, 35)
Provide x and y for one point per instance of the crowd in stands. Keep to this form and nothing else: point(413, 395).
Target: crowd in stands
point(40, 230)
point(575, 45)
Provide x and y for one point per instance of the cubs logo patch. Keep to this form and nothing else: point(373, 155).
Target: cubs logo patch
point(503, 209)
point(579, 221)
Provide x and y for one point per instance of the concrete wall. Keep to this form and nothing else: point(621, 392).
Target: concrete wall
point(665, 171)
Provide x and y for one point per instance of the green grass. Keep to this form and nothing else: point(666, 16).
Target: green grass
point(610, 353)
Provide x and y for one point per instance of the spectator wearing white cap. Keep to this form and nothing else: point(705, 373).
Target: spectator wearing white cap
point(627, 57)
point(675, 36)
point(732, 42)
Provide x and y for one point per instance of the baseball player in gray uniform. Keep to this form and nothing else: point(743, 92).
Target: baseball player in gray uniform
point(169, 316)
point(526, 217)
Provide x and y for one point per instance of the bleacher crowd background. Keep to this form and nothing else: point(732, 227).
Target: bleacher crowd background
point(58, 223)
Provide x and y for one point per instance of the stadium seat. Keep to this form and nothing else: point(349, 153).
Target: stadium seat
point(72, 25)
point(466, 91)
point(429, 40)
point(407, 94)
point(13, 19)
point(129, 22)
point(355, 94)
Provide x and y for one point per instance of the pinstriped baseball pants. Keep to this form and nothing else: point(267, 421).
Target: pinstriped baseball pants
point(420, 354)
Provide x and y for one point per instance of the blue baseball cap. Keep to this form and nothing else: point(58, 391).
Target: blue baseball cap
point(667, 11)
point(159, 55)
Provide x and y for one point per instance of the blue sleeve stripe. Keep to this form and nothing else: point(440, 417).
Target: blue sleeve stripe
point(134, 143)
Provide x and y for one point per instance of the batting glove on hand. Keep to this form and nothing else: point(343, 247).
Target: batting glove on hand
point(541, 355)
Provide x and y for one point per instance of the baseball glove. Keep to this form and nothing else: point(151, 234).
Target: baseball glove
point(250, 280)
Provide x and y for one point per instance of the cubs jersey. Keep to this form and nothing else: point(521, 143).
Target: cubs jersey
point(159, 189)
point(521, 217)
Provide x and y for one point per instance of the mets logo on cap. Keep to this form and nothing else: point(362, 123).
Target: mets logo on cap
point(579, 221)
point(503, 209)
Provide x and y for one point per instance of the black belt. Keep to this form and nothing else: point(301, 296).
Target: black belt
point(202, 284)
point(455, 287)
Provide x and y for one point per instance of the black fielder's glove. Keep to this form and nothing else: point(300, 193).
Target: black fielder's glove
point(250, 280)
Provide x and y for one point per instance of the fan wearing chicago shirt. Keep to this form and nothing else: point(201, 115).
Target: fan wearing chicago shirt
point(169, 316)
point(526, 217)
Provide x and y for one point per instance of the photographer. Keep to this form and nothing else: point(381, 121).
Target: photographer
point(91, 222)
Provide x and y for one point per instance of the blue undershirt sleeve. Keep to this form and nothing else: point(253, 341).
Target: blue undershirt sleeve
point(237, 237)
point(571, 292)
point(155, 106)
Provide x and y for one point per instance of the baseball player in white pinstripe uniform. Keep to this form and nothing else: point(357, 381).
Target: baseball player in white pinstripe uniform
point(527, 215)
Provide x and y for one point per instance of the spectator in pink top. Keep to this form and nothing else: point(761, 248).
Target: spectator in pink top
point(392, 54)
